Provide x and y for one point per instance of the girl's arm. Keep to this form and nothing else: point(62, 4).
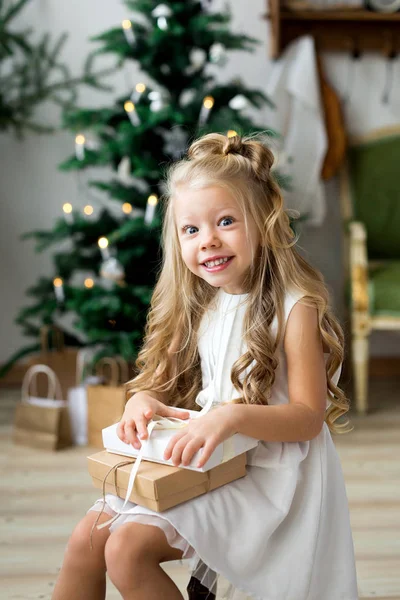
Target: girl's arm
point(302, 419)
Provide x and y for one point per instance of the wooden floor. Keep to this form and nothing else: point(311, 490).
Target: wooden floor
point(44, 495)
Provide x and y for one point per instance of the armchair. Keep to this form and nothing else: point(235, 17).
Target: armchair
point(370, 204)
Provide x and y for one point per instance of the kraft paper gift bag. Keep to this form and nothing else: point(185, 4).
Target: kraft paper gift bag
point(42, 422)
point(77, 396)
point(106, 403)
point(58, 357)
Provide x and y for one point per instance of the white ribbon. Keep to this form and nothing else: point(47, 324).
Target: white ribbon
point(158, 422)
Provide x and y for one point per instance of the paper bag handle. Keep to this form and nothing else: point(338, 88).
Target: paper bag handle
point(53, 333)
point(118, 366)
point(30, 378)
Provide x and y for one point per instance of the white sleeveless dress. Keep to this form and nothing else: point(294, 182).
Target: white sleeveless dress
point(283, 531)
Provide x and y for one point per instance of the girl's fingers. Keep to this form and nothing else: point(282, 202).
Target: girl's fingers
point(208, 449)
point(131, 434)
point(121, 430)
point(141, 427)
point(190, 450)
point(171, 444)
point(177, 451)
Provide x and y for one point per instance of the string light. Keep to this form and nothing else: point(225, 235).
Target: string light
point(67, 208)
point(126, 208)
point(128, 31)
point(88, 210)
point(140, 88)
point(59, 289)
point(103, 245)
point(208, 103)
point(80, 146)
point(88, 283)
point(231, 133)
point(132, 114)
point(152, 202)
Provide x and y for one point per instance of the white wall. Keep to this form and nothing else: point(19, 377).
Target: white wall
point(33, 190)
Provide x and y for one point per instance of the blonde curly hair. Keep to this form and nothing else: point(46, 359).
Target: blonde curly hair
point(169, 362)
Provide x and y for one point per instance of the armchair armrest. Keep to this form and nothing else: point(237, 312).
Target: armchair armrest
point(359, 266)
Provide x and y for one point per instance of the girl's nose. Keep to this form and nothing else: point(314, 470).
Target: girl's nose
point(209, 239)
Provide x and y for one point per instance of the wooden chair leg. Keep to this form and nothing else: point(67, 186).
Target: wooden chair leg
point(360, 356)
point(197, 591)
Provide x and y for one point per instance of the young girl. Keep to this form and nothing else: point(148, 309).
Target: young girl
point(237, 316)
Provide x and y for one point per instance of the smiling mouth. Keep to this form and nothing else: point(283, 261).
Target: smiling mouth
point(217, 265)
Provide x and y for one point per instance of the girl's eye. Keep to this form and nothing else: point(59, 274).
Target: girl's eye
point(227, 219)
point(187, 227)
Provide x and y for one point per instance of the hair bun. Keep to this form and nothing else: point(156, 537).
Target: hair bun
point(233, 145)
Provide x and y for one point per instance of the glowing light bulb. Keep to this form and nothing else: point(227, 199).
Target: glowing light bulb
point(88, 283)
point(126, 208)
point(67, 208)
point(88, 210)
point(128, 31)
point(150, 209)
point(131, 111)
point(103, 245)
point(231, 133)
point(59, 289)
point(208, 103)
point(80, 146)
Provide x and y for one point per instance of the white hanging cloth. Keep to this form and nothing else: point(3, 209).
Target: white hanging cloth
point(299, 116)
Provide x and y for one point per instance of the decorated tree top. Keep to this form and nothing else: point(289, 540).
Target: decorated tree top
point(106, 276)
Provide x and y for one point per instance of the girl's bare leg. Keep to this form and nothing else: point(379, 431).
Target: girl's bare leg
point(83, 572)
point(133, 554)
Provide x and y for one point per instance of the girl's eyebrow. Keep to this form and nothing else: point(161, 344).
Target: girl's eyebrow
point(224, 208)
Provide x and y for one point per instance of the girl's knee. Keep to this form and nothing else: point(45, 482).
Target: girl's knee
point(129, 550)
point(79, 550)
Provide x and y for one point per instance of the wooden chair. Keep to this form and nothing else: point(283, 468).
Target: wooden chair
point(370, 203)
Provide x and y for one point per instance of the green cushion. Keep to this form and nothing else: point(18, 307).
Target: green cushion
point(384, 289)
point(375, 194)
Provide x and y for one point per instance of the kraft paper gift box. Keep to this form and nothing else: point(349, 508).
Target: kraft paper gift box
point(159, 486)
point(155, 445)
point(106, 403)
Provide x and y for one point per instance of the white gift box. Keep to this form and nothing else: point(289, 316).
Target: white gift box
point(154, 447)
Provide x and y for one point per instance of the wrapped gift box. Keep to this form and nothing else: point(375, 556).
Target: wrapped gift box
point(153, 448)
point(158, 486)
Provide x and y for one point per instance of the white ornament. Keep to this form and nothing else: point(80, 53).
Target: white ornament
point(112, 269)
point(175, 141)
point(187, 97)
point(156, 101)
point(239, 102)
point(218, 54)
point(162, 13)
point(198, 58)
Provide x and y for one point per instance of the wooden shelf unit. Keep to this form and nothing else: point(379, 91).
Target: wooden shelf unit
point(354, 31)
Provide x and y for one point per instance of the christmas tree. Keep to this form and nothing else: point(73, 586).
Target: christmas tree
point(106, 277)
point(32, 73)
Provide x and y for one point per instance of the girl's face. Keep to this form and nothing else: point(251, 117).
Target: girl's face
point(213, 238)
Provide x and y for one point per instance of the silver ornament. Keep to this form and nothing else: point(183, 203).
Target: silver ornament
point(112, 269)
point(187, 97)
point(176, 140)
point(239, 102)
point(197, 58)
point(162, 13)
point(218, 54)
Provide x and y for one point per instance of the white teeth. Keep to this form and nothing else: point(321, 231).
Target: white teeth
point(214, 263)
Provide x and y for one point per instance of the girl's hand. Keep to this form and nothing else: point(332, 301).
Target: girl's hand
point(203, 432)
point(139, 410)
